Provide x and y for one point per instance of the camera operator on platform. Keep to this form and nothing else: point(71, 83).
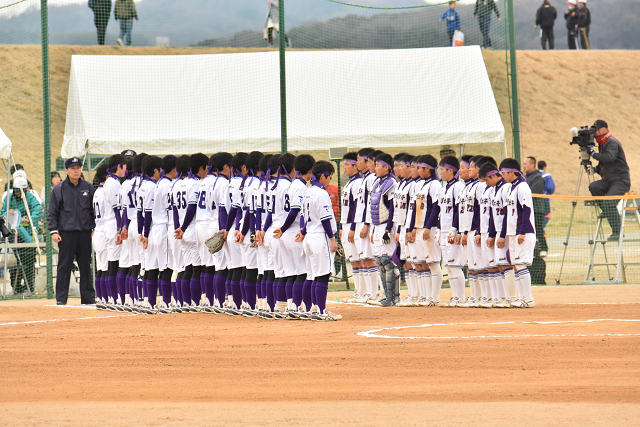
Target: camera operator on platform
point(613, 167)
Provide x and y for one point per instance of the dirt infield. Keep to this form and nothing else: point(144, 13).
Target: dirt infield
point(571, 360)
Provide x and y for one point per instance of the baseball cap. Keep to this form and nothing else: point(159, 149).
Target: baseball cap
point(128, 153)
point(72, 162)
point(600, 124)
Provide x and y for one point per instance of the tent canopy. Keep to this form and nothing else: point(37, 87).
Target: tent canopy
point(231, 102)
point(5, 146)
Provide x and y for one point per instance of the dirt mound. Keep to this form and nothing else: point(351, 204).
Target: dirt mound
point(558, 90)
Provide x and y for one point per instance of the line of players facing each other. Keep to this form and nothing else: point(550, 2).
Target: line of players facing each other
point(280, 256)
point(472, 213)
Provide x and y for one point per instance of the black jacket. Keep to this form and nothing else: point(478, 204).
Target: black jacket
point(572, 18)
point(546, 16)
point(484, 8)
point(536, 183)
point(71, 207)
point(584, 17)
point(612, 162)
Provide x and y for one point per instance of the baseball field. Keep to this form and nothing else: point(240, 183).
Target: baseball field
point(573, 359)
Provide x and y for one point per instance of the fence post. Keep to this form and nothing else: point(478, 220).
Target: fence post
point(514, 81)
point(282, 37)
point(46, 124)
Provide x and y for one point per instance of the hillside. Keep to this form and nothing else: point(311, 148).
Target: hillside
point(558, 90)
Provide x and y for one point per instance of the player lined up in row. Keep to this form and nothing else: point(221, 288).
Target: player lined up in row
point(279, 231)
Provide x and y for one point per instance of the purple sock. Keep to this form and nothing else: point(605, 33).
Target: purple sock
point(178, 293)
point(271, 300)
point(306, 294)
point(259, 288)
point(250, 294)
point(207, 281)
point(281, 290)
point(113, 287)
point(196, 291)
point(236, 292)
point(141, 289)
point(321, 295)
point(186, 292)
point(313, 293)
point(297, 292)
point(219, 285)
point(288, 287)
point(173, 290)
point(166, 291)
point(133, 288)
point(120, 285)
point(243, 290)
point(152, 290)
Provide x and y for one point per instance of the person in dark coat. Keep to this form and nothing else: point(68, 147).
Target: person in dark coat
point(483, 11)
point(101, 14)
point(584, 22)
point(571, 16)
point(536, 183)
point(616, 179)
point(545, 19)
point(71, 222)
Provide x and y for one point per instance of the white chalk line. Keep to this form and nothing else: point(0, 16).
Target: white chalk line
point(62, 320)
point(373, 332)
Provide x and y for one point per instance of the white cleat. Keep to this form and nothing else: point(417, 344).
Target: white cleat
point(524, 303)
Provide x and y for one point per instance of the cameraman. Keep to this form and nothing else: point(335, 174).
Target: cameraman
point(613, 167)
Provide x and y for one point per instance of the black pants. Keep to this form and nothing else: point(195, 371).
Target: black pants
point(26, 259)
point(571, 39)
point(538, 218)
point(604, 188)
point(584, 38)
point(547, 34)
point(75, 244)
point(101, 20)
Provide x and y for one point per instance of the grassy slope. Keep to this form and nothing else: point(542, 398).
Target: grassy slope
point(558, 90)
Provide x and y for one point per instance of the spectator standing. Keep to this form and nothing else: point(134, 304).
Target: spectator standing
point(549, 188)
point(55, 180)
point(545, 19)
point(71, 221)
point(571, 16)
point(584, 22)
point(453, 21)
point(21, 200)
point(125, 12)
point(101, 14)
point(483, 11)
point(334, 195)
point(536, 183)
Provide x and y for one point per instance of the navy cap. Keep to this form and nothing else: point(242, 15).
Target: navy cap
point(72, 162)
point(128, 153)
point(600, 124)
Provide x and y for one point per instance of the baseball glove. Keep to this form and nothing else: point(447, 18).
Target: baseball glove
point(215, 242)
point(340, 252)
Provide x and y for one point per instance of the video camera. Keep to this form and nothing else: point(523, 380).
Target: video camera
point(583, 137)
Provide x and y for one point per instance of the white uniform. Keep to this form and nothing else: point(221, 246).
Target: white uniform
point(379, 247)
point(235, 198)
point(365, 250)
point(280, 211)
point(111, 190)
point(206, 209)
point(146, 201)
point(218, 196)
point(293, 260)
point(268, 206)
point(162, 228)
point(123, 196)
point(249, 254)
point(411, 251)
point(349, 200)
point(466, 209)
point(498, 206)
point(451, 253)
point(179, 205)
point(100, 206)
point(317, 245)
point(520, 197)
point(486, 258)
point(189, 240)
point(130, 204)
point(401, 203)
point(427, 250)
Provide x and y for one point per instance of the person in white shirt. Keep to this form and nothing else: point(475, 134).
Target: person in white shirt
point(98, 240)
point(318, 231)
point(116, 168)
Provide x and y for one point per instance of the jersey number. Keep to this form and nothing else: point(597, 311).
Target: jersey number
point(287, 204)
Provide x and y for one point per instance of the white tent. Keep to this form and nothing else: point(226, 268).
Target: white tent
point(230, 102)
point(5, 146)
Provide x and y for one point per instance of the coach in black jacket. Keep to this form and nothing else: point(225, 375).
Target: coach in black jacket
point(613, 167)
point(536, 183)
point(71, 222)
point(545, 19)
